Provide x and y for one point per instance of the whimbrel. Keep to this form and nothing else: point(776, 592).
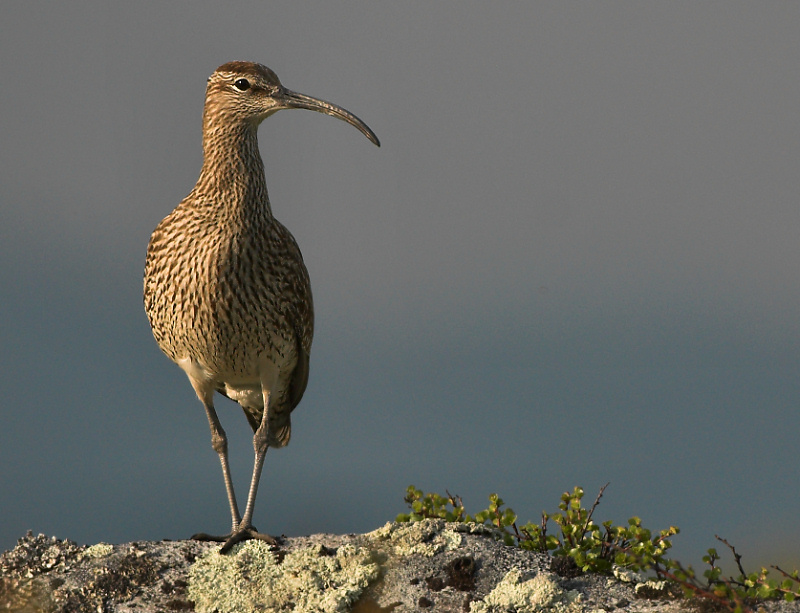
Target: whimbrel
point(225, 287)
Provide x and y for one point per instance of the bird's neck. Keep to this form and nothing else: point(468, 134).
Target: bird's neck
point(233, 173)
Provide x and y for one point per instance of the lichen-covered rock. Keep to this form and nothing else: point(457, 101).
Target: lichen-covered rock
point(426, 538)
point(430, 566)
point(628, 576)
point(34, 555)
point(538, 594)
point(653, 589)
point(254, 578)
point(101, 550)
point(45, 574)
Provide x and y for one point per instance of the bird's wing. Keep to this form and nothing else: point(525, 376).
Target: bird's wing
point(297, 386)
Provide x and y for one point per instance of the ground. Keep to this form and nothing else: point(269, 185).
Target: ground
point(427, 566)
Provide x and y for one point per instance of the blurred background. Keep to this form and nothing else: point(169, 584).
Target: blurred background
point(572, 261)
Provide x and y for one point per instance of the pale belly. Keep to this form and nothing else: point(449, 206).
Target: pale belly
point(270, 373)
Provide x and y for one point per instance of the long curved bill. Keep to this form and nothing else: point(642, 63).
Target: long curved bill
point(294, 100)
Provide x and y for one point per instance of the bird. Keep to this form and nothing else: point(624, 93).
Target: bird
point(226, 291)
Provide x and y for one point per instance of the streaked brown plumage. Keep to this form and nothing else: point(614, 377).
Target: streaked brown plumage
point(225, 287)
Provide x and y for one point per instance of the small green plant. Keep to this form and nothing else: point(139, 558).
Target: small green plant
point(427, 506)
point(598, 548)
point(592, 547)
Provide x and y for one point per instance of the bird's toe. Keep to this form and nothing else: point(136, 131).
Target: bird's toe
point(249, 533)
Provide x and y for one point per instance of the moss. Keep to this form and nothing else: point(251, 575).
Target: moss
point(252, 578)
point(427, 537)
point(536, 595)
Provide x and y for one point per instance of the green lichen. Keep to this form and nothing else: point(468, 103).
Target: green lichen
point(536, 595)
point(427, 537)
point(252, 578)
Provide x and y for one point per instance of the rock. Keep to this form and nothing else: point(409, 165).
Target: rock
point(429, 566)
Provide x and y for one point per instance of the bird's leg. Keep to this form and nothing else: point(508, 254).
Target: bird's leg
point(246, 530)
point(260, 446)
point(219, 442)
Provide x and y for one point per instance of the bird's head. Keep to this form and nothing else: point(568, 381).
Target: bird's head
point(248, 93)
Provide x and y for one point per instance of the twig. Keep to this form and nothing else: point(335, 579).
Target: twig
point(456, 503)
point(785, 574)
point(736, 556)
point(543, 535)
point(594, 506)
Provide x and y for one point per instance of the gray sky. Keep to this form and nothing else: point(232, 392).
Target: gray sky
point(572, 261)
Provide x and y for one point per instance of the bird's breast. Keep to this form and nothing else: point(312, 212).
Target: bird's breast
point(227, 299)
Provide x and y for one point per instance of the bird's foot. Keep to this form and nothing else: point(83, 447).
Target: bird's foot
point(247, 533)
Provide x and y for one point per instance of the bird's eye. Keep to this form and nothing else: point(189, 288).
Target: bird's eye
point(242, 85)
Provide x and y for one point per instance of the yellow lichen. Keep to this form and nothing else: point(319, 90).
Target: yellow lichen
point(536, 595)
point(427, 537)
point(101, 550)
point(250, 578)
point(626, 575)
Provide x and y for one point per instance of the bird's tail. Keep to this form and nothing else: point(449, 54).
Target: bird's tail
point(280, 425)
point(280, 429)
